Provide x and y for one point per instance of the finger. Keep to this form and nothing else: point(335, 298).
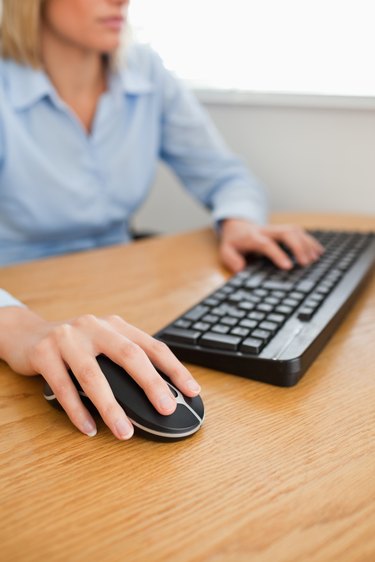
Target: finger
point(53, 370)
point(305, 247)
point(300, 246)
point(160, 355)
point(266, 246)
point(316, 246)
point(232, 258)
point(134, 360)
point(87, 371)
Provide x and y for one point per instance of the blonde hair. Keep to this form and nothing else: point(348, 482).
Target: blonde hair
point(20, 22)
point(20, 31)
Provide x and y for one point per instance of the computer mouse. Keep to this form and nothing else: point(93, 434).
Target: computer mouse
point(185, 420)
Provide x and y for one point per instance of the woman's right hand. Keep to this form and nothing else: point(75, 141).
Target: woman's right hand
point(31, 345)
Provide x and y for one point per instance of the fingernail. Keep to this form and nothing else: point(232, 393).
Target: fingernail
point(167, 402)
point(124, 429)
point(89, 429)
point(193, 386)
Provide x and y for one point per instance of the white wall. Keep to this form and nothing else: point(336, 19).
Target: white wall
point(309, 159)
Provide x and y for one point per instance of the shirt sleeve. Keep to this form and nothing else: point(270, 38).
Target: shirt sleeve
point(194, 149)
point(7, 299)
point(1, 136)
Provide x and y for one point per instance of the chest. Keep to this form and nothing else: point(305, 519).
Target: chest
point(49, 160)
point(84, 109)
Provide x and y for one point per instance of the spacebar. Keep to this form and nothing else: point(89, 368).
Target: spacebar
point(219, 341)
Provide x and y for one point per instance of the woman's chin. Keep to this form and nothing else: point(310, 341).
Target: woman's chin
point(109, 44)
point(108, 49)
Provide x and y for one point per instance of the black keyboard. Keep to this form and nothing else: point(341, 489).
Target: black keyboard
point(269, 325)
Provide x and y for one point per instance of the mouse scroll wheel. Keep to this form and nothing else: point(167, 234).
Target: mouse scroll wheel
point(173, 390)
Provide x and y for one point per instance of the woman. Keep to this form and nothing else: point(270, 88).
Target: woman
point(80, 135)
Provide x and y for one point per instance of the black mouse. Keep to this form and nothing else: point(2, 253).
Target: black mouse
point(185, 420)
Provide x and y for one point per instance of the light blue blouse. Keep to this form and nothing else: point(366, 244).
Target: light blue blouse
point(63, 190)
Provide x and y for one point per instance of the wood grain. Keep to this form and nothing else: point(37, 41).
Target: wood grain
point(274, 474)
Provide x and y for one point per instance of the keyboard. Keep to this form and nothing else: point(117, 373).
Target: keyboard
point(269, 325)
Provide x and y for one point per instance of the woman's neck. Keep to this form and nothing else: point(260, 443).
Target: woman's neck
point(74, 72)
point(78, 75)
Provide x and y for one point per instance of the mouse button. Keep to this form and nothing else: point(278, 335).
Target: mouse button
point(130, 395)
point(196, 404)
point(168, 381)
point(181, 419)
point(121, 383)
point(183, 416)
point(173, 390)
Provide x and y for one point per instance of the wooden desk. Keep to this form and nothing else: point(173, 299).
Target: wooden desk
point(275, 474)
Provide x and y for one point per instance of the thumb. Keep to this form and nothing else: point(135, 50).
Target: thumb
point(232, 258)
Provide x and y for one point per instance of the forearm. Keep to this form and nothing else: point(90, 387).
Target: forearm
point(240, 201)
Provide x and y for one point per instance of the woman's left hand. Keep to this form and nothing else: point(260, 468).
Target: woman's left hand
point(239, 237)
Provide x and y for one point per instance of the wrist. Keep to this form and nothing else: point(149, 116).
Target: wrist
point(232, 223)
point(15, 321)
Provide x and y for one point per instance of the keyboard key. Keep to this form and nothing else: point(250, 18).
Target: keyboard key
point(243, 332)
point(278, 285)
point(344, 264)
point(235, 282)
point(283, 309)
point(322, 289)
point(251, 345)
point(272, 300)
point(311, 303)
point(246, 323)
point(229, 320)
point(220, 341)
point(280, 294)
point(220, 295)
point(201, 326)
point(256, 315)
point(254, 298)
point(181, 323)
point(296, 295)
point(277, 318)
point(237, 313)
point(316, 297)
point(235, 297)
point(306, 313)
point(305, 286)
point(269, 326)
point(255, 280)
point(334, 274)
point(291, 302)
point(264, 307)
point(220, 329)
point(246, 305)
point(196, 313)
point(261, 334)
point(219, 311)
point(211, 301)
point(260, 292)
point(226, 290)
point(182, 336)
point(211, 318)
